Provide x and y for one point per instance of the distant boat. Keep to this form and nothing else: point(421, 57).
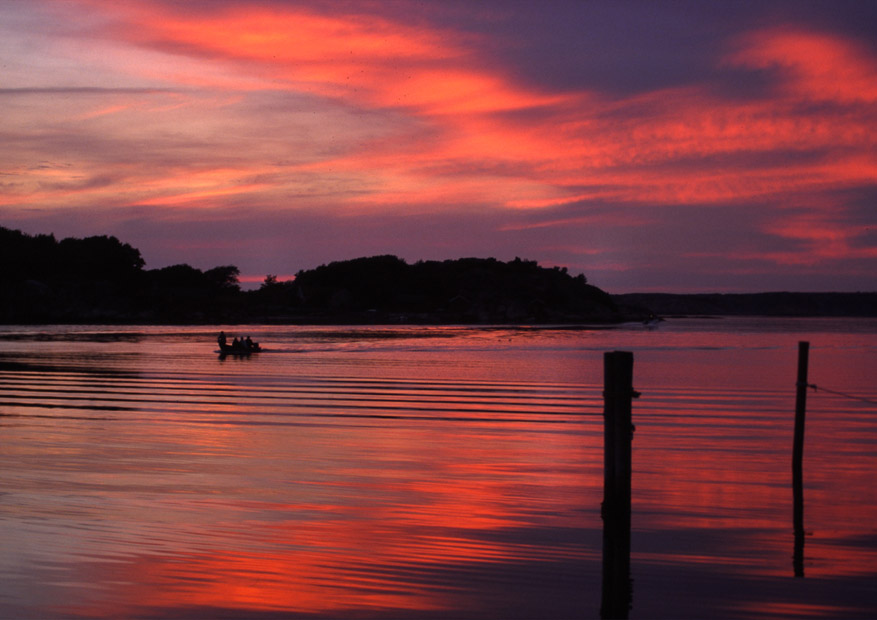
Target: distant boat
point(240, 349)
point(652, 321)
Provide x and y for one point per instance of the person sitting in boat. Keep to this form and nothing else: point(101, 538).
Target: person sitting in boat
point(222, 340)
point(249, 343)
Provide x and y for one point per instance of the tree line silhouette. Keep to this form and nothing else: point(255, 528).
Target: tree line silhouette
point(101, 279)
point(466, 290)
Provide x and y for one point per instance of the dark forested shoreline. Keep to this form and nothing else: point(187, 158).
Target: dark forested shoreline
point(103, 280)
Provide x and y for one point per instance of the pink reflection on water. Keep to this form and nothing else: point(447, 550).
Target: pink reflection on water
point(320, 519)
point(712, 472)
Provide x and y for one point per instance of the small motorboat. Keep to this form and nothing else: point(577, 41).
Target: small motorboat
point(243, 346)
point(239, 349)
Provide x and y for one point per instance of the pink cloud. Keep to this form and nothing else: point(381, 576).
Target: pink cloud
point(814, 66)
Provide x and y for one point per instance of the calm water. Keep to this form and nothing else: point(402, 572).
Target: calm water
point(424, 472)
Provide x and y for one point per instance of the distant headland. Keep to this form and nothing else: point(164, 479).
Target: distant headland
point(103, 280)
point(754, 304)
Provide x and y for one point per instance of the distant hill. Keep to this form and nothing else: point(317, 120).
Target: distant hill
point(754, 304)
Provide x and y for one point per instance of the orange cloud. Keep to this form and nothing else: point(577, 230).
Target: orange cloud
point(814, 66)
point(188, 187)
point(823, 236)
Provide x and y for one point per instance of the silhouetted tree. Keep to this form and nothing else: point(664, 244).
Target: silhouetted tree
point(98, 258)
point(223, 279)
point(177, 277)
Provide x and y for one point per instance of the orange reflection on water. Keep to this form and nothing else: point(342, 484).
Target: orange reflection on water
point(384, 519)
point(242, 581)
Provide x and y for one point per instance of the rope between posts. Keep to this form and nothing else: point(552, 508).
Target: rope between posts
point(845, 395)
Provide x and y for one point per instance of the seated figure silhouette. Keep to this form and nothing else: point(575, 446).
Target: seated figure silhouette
point(238, 346)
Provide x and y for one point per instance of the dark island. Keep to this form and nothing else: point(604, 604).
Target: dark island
point(386, 289)
point(102, 280)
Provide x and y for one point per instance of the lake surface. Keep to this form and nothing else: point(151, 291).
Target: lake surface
point(431, 472)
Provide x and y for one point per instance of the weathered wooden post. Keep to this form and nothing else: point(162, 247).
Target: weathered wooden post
point(797, 458)
point(617, 438)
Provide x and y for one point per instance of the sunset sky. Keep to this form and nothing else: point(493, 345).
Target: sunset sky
point(652, 146)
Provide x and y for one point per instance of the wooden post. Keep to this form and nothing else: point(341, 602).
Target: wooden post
point(617, 437)
point(618, 431)
point(797, 458)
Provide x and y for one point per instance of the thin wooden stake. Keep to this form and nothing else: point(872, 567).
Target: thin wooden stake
point(798, 457)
